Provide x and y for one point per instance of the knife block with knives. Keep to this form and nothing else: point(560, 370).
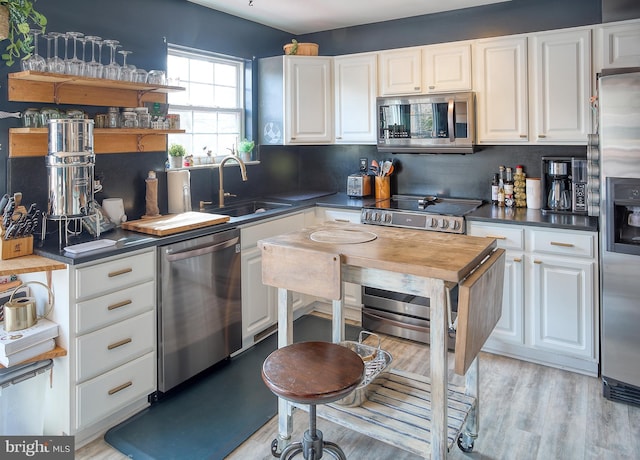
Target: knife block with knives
point(16, 228)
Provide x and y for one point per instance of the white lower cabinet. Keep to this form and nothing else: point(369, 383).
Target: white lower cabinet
point(114, 332)
point(260, 302)
point(550, 303)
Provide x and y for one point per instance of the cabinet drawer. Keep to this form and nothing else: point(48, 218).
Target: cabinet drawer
point(117, 306)
point(507, 236)
point(107, 348)
point(115, 390)
point(578, 244)
point(341, 215)
point(115, 274)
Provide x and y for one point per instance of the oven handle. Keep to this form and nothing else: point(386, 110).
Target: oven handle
point(452, 133)
point(425, 330)
point(393, 322)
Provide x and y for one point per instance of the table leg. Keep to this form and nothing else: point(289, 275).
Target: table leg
point(472, 388)
point(338, 317)
point(285, 337)
point(438, 353)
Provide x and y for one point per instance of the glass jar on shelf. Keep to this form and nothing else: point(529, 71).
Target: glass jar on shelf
point(144, 118)
point(129, 118)
point(113, 118)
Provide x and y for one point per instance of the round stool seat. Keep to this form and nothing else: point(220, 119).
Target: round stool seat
point(312, 372)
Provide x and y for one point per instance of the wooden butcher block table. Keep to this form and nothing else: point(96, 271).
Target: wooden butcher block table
point(425, 416)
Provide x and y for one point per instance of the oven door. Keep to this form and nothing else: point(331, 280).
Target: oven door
point(400, 315)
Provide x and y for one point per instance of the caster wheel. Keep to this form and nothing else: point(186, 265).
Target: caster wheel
point(464, 446)
point(274, 449)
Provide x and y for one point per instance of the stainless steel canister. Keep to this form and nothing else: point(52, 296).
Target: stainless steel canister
point(70, 167)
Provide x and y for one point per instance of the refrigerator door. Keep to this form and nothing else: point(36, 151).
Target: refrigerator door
point(619, 104)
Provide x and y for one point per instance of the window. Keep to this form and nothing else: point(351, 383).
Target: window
point(212, 107)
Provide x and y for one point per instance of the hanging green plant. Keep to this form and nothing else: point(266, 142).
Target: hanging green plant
point(22, 17)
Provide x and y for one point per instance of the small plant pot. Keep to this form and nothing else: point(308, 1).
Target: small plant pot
point(245, 156)
point(175, 162)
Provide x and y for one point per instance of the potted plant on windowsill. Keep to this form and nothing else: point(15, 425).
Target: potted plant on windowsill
point(244, 149)
point(17, 19)
point(176, 154)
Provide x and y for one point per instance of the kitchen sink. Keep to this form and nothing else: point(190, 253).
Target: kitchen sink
point(247, 208)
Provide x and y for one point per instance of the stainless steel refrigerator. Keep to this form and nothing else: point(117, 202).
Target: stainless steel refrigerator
point(619, 126)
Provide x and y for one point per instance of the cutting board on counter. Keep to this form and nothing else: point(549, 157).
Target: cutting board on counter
point(174, 223)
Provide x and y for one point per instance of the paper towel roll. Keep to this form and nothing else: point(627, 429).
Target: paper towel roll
point(179, 191)
point(533, 192)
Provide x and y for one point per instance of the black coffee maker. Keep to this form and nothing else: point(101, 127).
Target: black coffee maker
point(556, 184)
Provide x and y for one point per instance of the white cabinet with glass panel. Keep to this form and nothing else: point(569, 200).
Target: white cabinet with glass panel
point(295, 103)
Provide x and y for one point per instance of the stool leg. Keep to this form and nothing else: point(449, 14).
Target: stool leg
point(334, 450)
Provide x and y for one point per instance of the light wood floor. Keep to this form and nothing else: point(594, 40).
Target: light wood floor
point(527, 411)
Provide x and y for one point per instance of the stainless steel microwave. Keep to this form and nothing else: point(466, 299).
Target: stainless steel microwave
point(438, 123)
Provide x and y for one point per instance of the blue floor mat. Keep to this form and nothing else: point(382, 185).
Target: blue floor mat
point(214, 414)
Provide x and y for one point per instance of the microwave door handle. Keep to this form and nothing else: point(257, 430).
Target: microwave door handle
point(450, 114)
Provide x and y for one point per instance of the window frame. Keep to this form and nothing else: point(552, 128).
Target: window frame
point(240, 111)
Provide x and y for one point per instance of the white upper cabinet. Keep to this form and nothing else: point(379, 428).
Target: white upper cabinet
point(560, 76)
point(534, 89)
point(446, 68)
point(295, 100)
point(500, 82)
point(309, 100)
point(617, 45)
point(355, 88)
point(400, 71)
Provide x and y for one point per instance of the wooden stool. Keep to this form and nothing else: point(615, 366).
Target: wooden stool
point(312, 373)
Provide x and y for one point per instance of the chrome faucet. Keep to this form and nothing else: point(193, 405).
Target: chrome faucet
point(243, 171)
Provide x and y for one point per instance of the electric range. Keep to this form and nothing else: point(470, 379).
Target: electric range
point(422, 212)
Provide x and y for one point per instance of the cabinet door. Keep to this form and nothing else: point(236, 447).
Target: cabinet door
point(446, 68)
point(562, 295)
point(560, 87)
point(510, 327)
point(308, 100)
point(500, 82)
point(617, 45)
point(355, 81)
point(400, 71)
point(259, 302)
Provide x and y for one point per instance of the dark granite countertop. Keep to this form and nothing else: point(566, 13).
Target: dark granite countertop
point(533, 217)
point(132, 241)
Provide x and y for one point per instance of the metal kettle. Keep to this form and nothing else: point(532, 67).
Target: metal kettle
point(22, 313)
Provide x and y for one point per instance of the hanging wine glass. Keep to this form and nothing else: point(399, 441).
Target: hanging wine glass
point(112, 70)
point(82, 58)
point(55, 64)
point(73, 66)
point(127, 70)
point(35, 61)
point(94, 68)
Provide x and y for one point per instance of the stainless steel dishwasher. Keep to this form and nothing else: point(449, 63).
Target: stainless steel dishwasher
point(199, 306)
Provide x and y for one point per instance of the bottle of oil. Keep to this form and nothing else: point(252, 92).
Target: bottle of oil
point(495, 186)
point(509, 200)
point(501, 186)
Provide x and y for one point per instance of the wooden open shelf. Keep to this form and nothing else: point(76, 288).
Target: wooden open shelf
point(57, 352)
point(31, 86)
point(33, 142)
point(44, 87)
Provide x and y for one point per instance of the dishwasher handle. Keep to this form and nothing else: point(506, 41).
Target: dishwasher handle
point(190, 253)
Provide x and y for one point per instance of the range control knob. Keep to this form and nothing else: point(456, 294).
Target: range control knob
point(455, 225)
point(431, 222)
point(387, 218)
point(443, 223)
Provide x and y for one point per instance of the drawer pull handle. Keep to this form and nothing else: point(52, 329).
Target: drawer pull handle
point(537, 262)
point(119, 304)
point(497, 237)
point(517, 259)
point(523, 136)
point(564, 245)
point(119, 344)
point(120, 387)
point(120, 272)
point(341, 220)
